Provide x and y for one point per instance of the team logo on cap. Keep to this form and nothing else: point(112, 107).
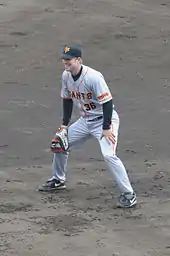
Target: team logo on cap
point(66, 49)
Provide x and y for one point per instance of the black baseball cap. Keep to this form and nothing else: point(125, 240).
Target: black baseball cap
point(70, 52)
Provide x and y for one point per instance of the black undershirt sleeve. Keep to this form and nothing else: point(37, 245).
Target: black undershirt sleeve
point(107, 114)
point(67, 110)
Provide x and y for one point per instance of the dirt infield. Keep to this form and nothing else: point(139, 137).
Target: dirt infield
point(128, 41)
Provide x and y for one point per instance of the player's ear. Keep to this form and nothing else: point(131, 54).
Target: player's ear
point(80, 60)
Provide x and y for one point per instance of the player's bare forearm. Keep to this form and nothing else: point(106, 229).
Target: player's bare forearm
point(67, 111)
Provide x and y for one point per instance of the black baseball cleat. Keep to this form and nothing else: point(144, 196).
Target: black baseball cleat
point(52, 185)
point(127, 200)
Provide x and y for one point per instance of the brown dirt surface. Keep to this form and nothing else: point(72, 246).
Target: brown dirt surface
point(128, 41)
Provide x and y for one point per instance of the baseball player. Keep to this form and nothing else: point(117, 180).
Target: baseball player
point(87, 89)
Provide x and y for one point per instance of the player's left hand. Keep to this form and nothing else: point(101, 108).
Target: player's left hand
point(108, 134)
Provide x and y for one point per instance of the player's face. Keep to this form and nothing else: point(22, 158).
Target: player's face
point(71, 65)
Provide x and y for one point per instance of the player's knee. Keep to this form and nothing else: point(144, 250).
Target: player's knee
point(110, 158)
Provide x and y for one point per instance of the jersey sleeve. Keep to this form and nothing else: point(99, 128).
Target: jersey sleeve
point(64, 89)
point(101, 89)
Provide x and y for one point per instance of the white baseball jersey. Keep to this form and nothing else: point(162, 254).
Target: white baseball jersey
point(88, 93)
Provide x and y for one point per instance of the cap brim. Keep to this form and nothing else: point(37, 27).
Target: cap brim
point(66, 56)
